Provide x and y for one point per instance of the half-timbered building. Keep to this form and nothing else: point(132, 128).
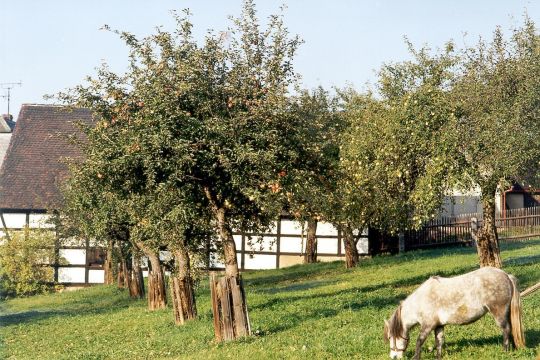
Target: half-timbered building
point(31, 173)
point(35, 167)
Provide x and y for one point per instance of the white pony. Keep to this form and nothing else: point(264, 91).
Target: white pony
point(457, 300)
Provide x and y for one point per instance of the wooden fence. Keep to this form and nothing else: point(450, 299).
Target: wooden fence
point(511, 225)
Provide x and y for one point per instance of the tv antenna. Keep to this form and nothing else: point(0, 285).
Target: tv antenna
point(8, 86)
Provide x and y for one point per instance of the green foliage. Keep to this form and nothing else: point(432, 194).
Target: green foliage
point(497, 110)
point(188, 129)
point(89, 209)
point(310, 166)
point(319, 311)
point(195, 136)
point(398, 148)
point(23, 259)
point(357, 197)
point(445, 120)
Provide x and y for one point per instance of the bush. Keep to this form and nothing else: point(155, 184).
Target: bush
point(24, 259)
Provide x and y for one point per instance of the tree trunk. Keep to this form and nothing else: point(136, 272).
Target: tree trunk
point(120, 274)
point(108, 265)
point(182, 292)
point(136, 284)
point(229, 306)
point(227, 242)
point(156, 284)
point(488, 240)
point(310, 255)
point(123, 271)
point(351, 252)
point(231, 319)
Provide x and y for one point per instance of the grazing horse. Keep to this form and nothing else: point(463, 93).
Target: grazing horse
point(457, 300)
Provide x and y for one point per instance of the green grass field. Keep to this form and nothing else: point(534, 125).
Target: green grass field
point(320, 311)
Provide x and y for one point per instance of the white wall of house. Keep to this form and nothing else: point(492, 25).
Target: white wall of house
point(459, 205)
point(15, 220)
point(282, 246)
point(468, 202)
point(72, 275)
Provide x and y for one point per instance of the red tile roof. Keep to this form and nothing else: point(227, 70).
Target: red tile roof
point(33, 167)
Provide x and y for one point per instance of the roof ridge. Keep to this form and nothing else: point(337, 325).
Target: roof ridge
point(47, 105)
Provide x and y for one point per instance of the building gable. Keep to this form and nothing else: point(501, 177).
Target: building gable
point(33, 167)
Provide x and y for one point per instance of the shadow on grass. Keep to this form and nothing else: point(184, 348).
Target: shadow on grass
point(434, 253)
point(74, 308)
point(522, 260)
point(295, 273)
point(28, 316)
point(532, 336)
point(297, 286)
point(518, 244)
point(295, 319)
point(356, 298)
point(353, 299)
point(399, 283)
point(299, 273)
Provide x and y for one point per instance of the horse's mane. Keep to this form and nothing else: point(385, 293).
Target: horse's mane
point(395, 326)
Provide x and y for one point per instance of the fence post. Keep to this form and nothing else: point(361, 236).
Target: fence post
point(474, 230)
point(401, 245)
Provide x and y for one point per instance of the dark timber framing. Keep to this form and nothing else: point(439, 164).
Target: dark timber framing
point(243, 251)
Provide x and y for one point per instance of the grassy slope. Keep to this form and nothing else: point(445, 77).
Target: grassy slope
point(318, 311)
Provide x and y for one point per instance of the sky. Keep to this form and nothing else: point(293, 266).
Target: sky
point(52, 45)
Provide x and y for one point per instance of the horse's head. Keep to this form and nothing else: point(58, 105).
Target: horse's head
point(393, 334)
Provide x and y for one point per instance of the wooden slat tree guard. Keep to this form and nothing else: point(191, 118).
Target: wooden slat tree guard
point(156, 291)
point(183, 304)
point(229, 307)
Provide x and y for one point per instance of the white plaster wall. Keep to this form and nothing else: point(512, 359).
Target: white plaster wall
point(259, 261)
point(73, 256)
point(238, 241)
point(216, 261)
point(40, 221)
point(327, 229)
point(96, 276)
point(459, 205)
point(265, 243)
point(71, 275)
point(145, 273)
point(291, 244)
point(73, 241)
point(363, 246)
point(327, 246)
point(291, 227)
point(15, 221)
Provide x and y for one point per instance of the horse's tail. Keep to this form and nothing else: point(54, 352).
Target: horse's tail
point(516, 322)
